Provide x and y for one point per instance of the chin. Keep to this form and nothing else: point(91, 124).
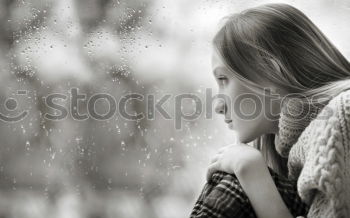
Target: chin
point(245, 138)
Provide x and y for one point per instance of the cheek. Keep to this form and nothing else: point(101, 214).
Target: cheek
point(248, 107)
point(249, 121)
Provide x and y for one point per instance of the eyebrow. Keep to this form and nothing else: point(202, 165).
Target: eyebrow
point(216, 71)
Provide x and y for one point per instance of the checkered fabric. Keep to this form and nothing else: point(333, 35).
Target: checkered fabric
point(223, 197)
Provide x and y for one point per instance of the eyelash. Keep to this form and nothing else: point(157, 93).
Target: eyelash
point(222, 79)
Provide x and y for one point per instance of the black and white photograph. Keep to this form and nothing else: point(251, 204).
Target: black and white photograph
point(174, 109)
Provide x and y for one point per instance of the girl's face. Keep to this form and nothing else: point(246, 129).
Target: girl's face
point(251, 114)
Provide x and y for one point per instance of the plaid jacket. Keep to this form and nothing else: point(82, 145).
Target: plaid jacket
point(223, 197)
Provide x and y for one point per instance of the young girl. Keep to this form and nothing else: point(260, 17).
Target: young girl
point(300, 162)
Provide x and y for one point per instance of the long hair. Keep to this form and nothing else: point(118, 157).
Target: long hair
point(253, 41)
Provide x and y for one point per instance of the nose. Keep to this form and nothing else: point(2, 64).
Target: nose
point(220, 107)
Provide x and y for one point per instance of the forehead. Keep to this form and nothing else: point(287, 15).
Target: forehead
point(216, 62)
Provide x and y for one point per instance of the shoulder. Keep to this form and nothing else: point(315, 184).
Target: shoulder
point(322, 148)
point(340, 101)
point(337, 110)
point(344, 104)
point(335, 115)
point(329, 131)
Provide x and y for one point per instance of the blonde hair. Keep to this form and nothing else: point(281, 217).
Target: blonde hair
point(253, 41)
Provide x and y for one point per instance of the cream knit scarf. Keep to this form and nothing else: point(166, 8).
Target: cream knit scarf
point(318, 152)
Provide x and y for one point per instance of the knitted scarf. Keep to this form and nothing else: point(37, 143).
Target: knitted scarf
point(294, 118)
point(316, 141)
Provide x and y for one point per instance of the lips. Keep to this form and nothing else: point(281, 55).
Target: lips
point(228, 121)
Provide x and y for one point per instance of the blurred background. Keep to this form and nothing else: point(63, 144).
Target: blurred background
point(115, 167)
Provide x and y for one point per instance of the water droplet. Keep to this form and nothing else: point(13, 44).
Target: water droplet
point(27, 146)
